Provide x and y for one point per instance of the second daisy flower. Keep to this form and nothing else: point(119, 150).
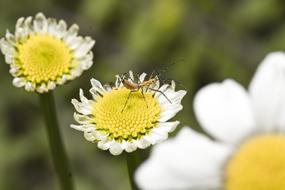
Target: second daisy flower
point(44, 53)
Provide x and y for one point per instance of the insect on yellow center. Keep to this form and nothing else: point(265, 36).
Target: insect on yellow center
point(259, 164)
point(42, 58)
point(136, 119)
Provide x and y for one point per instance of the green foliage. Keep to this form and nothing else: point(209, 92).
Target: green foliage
point(193, 42)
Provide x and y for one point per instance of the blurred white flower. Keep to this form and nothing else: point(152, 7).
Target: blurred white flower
point(248, 150)
point(44, 53)
point(117, 126)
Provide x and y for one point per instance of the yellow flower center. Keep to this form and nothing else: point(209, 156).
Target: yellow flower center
point(258, 165)
point(130, 122)
point(42, 58)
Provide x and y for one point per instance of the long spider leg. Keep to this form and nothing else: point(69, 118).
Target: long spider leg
point(127, 100)
point(161, 93)
point(144, 97)
point(142, 92)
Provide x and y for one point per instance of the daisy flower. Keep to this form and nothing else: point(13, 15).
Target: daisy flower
point(44, 53)
point(119, 120)
point(247, 148)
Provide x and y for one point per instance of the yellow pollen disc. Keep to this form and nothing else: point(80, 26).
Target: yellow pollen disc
point(137, 118)
point(42, 58)
point(259, 164)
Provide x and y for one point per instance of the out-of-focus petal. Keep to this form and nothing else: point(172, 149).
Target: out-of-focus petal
point(224, 110)
point(189, 161)
point(267, 90)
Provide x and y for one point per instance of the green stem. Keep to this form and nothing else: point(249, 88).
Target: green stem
point(133, 160)
point(58, 154)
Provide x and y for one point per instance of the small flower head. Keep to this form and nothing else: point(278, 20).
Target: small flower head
point(122, 119)
point(44, 53)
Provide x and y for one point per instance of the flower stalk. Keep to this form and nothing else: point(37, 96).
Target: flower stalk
point(58, 153)
point(133, 160)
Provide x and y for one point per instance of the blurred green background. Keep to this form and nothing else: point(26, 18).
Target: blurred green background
point(194, 42)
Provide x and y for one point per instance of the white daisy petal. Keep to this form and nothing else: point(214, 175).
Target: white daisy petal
point(87, 61)
point(115, 148)
point(89, 135)
point(84, 47)
point(267, 91)
point(97, 86)
point(43, 88)
point(76, 72)
point(62, 80)
point(170, 112)
point(130, 146)
point(52, 26)
point(162, 89)
point(29, 87)
point(224, 110)
point(142, 77)
point(61, 28)
point(190, 161)
point(168, 126)
point(51, 85)
point(158, 135)
point(40, 23)
point(131, 75)
point(28, 26)
point(104, 145)
point(19, 33)
point(13, 70)
point(76, 42)
point(143, 142)
point(77, 127)
point(83, 108)
point(10, 38)
point(173, 85)
point(6, 48)
point(19, 82)
point(171, 99)
point(118, 82)
point(175, 97)
point(83, 99)
point(99, 135)
point(82, 119)
point(71, 34)
point(8, 59)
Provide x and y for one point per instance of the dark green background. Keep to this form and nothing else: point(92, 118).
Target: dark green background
point(194, 42)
